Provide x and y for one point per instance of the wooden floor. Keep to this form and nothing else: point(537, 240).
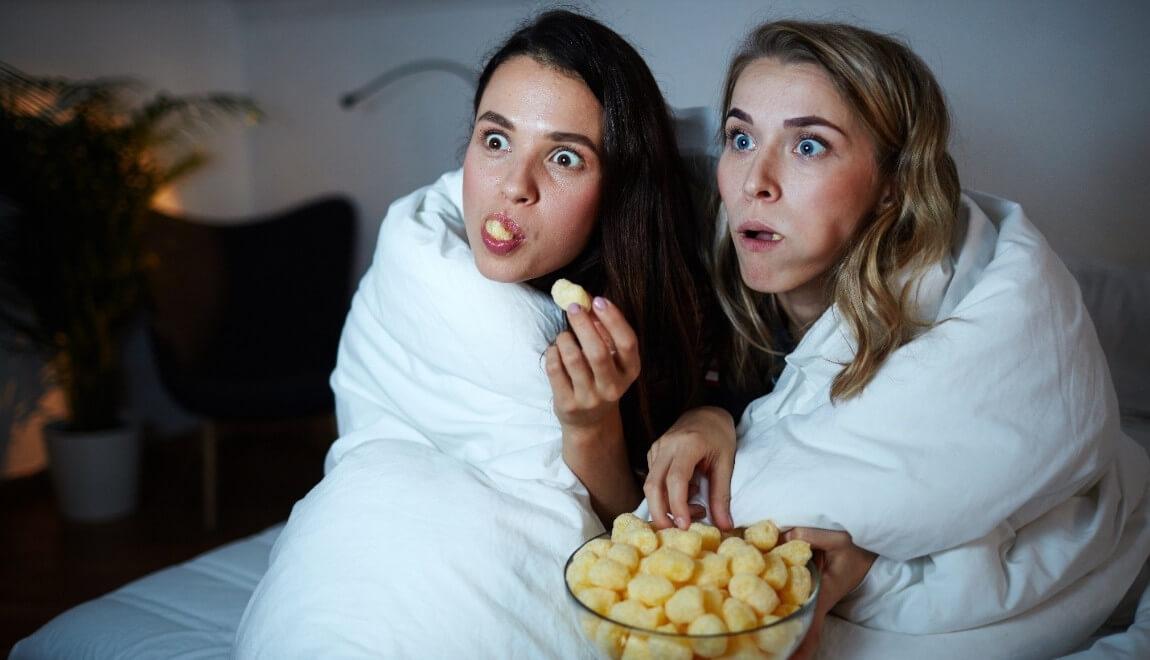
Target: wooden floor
point(48, 564)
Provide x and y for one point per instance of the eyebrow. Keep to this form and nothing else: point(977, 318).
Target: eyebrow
point(794, 122)
point(554, 136)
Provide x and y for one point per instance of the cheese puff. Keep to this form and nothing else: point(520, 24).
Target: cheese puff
point(634, 613)
point(746, 559)
point(763, 535)
point(595, 547)
point(590, 626)
point(710, 534)
point(798, 588)
point(743, 647)
point(611, 639)
point(685, 606)
point(708, 624)
point(780, 638)
point(738, 615)
point(775, 573)
point(624, 522)
point(643, 538)
point(671, 564)
point(606, 572)
point(795, 553)
point(730, 544)
point(714, 570)
point(754, 592)
point(669, 648)
point(578, 568)
point(650, 589)
point(564, 292)
point(685, 541)
point(598, 599)
point(625, 554)
point(713, 600)
point(637, 648)
point(785, 609)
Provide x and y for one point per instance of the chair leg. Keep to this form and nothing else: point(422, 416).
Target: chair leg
point(208, 446)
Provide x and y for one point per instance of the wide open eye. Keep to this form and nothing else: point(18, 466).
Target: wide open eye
point(810, 147)
point(496, 141)
point(567, 158)
point(740, 141)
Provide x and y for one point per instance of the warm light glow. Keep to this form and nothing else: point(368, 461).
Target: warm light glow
point(168, 201)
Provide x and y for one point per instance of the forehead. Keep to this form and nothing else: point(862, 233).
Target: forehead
point(768, 85)
point(534, 95)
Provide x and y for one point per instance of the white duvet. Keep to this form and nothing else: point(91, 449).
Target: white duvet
point(447, 512)
point(984, 463)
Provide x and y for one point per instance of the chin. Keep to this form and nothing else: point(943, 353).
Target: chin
point(496, 274)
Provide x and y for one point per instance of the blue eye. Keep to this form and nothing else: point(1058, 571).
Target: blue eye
point(496, 141)
point(810, 147)
point(567, 158)
point(740, 141)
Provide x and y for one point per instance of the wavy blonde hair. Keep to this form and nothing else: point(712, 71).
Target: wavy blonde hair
point(899, 101)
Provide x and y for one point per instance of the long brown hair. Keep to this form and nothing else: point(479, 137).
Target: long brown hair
point(902, 105)
point(643, 254)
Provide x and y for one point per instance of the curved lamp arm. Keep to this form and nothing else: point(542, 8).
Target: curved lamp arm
point(354, 97)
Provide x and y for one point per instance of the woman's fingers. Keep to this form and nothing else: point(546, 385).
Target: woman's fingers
point(822, 539)
point(654, 488)
point(719, 491)
point(678, 490)
point(626, 344)
point(577, 368)
point(557, 374)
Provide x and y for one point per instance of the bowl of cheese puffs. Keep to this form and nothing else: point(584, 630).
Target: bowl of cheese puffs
point(690, 593)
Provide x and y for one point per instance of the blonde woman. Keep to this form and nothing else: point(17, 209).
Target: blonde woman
point(937, 415)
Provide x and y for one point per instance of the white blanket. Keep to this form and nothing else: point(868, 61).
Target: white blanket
point(984, 463)
point(447, 512)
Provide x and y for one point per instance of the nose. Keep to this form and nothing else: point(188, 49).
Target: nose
point(519, 185)
point(762, 182)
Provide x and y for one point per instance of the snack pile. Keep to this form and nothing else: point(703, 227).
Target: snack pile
point(697, 592)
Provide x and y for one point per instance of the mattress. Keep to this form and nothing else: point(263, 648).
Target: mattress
point(186, 611)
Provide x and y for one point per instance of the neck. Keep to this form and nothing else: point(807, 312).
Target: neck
point(803, 307)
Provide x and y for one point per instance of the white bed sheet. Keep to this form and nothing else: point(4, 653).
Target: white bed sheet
point(191, 610)
point(186, 611)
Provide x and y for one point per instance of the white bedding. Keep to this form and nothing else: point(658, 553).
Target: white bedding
point(442, 525)
point(187, 611)
point(984, 464)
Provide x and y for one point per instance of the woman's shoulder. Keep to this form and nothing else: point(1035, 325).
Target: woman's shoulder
point(429, 218)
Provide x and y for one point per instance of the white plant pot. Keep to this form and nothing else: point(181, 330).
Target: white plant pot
point(95, 473)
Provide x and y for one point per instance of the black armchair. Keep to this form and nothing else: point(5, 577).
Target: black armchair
point(245, 317)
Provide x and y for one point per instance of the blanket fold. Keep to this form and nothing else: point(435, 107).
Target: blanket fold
point(984, 462)
point(442, 525)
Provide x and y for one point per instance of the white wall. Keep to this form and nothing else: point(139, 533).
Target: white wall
point(1048, 96)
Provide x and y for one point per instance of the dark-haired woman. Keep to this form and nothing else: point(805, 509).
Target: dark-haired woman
point(480, 441)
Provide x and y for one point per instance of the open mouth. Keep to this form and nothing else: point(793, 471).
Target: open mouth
point(762, 235)
point(500, 234)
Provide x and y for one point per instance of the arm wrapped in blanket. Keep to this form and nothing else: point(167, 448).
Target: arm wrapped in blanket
point(984, 462)
point(447, 511)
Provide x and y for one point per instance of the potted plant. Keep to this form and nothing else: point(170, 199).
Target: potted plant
point(80, 165)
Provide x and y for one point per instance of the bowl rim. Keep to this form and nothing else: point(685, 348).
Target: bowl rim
point(812, 600)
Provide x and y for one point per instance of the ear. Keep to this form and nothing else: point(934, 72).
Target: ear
point(886, 195)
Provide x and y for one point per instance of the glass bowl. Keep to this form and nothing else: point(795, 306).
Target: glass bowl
point(615, 640)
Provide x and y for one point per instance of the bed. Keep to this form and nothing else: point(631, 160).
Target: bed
point(191, 610)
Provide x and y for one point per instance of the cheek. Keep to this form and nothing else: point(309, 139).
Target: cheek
point(728, 180)
point(578, 206)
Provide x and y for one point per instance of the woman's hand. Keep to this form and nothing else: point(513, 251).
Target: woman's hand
point(590, 368)
point(592, 365)
point(701, 442)
point(843, 566)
